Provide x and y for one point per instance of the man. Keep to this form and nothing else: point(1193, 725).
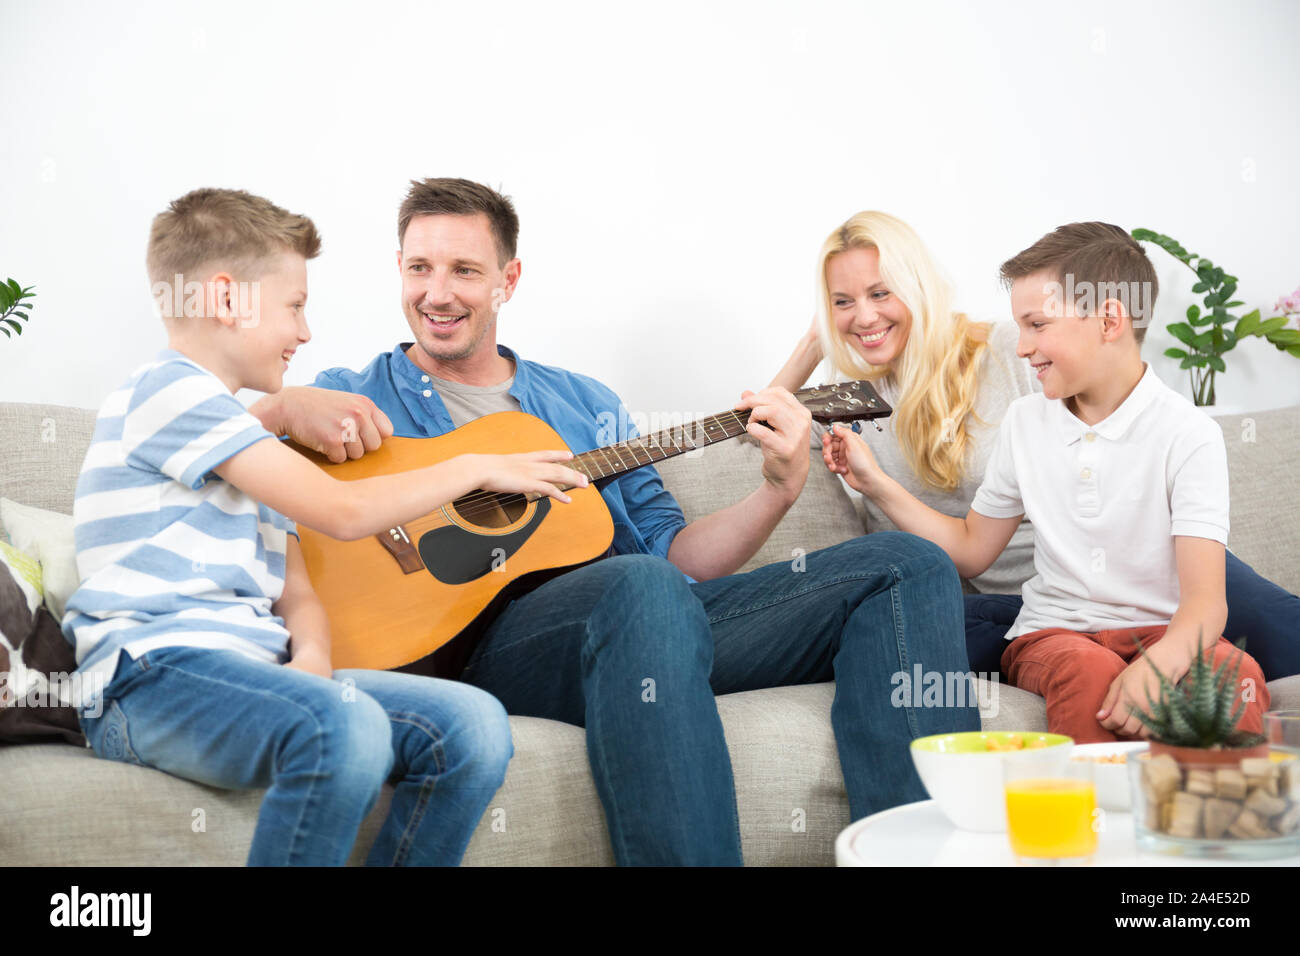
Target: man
point(667, 605)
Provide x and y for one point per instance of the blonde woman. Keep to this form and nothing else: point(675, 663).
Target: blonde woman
point(884, 314)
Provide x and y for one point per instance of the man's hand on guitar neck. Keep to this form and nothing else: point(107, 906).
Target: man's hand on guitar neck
point(339, 425)
point(718, 544)
point(782, 427)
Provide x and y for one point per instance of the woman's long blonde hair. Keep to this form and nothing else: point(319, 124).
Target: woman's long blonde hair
point(936, 371)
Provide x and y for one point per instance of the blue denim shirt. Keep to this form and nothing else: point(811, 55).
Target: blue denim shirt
point(585, 413)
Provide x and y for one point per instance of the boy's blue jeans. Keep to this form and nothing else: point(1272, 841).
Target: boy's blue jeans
point(323, 748)
point(631, 650)
point(1258, 610)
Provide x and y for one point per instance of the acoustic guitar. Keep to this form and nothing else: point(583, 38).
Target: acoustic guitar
point(418, 597)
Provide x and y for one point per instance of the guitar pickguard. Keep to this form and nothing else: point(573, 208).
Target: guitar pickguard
point(456, 555)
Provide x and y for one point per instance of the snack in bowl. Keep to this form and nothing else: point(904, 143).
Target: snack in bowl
point(963, 772)
point(1110, 771)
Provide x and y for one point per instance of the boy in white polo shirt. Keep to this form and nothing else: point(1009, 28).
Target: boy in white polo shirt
point(1124, 481)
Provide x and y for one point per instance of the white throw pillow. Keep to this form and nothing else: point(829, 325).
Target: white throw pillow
point(48, 537)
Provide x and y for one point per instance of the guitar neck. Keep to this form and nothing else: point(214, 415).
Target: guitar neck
point(614, 460)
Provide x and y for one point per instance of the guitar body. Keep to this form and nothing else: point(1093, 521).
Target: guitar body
point(422, 610)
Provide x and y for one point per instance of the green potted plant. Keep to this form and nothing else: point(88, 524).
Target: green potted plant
point(1206, 786)
point(1208, 335)
point(15, 305)
point(1195, 721)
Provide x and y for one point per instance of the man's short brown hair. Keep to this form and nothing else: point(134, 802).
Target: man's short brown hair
point(1097, 261)
point(225, 228)
point(461, 197)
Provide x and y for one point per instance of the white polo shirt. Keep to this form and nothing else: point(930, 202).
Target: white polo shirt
point(1105, 502)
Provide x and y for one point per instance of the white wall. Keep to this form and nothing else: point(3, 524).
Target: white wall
point(675, 169)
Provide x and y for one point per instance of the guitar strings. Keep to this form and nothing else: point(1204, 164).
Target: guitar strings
point(483, 502)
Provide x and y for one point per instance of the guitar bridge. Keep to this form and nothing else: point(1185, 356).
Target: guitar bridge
point(398, 543)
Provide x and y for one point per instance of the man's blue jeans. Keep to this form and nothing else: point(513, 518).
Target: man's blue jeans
point(631, 650)
point(1258, 610)
point(323, 748)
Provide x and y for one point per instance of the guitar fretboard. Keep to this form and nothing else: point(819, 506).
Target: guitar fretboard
point(667, 443)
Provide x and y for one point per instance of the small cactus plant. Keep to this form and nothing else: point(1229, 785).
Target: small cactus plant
point(1203, 709)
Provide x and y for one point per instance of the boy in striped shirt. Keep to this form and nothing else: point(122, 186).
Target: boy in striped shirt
point(195, 613)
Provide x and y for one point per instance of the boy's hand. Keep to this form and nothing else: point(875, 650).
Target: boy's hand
point(782, 427)
point(532, 473)
point(1129, 690)
point(846, 453)
point(339, 425)
point(312, 660)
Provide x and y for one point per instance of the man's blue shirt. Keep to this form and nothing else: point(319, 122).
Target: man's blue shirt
point(585, 413)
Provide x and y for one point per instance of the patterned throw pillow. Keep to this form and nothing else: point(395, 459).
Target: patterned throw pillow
point(36, 662)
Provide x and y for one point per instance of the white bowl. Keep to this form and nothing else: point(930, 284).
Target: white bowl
point(966, 781)
point(1111, 779)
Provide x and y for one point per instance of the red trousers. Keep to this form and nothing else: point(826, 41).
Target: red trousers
point(1073, 671)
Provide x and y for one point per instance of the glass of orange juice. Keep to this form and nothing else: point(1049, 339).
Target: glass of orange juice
point(1050, 817)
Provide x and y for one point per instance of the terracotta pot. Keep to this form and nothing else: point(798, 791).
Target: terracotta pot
point(1198, 756)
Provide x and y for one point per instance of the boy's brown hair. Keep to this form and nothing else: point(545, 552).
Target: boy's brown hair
point(228, 228)
point(461, 197)
point(1096, 260)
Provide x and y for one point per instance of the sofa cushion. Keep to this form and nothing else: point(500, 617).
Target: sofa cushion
point(547, 813)
point(36, 663)
point(1264, 517)
point(49, 537)
point(44, 448)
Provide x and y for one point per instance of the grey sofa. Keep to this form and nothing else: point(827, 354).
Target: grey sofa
point(61, 805)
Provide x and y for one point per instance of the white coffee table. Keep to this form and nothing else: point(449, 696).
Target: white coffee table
point(918, 834)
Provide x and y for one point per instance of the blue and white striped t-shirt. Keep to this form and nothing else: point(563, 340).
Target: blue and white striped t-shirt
point(168, 553)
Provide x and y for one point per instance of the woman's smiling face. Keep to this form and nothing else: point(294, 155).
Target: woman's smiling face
point(864, 310)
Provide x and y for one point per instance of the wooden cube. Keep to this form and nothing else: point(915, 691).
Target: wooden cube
point(1200, 782)
point(1161, 776)
point(1219, 815)
point(1264, 805)
point(1185, 818)
point(1230, 784)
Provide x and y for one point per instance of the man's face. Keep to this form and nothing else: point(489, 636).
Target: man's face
point(452, 286)
point(1059, 344)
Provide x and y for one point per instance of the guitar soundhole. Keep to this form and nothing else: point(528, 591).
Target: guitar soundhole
point(487, 509)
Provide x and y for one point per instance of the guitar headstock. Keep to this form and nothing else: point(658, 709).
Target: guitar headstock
point(843, 402)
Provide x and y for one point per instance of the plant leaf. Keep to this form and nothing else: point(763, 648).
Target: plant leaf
point(1218, 364)
point(1271, 325)
point(1285, 337)
point(1248, 324)
point(1175, 353)
point(1183, 332)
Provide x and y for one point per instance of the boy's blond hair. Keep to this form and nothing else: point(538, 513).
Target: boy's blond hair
point(226, 228)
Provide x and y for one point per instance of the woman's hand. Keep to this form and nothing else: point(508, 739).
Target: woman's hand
point(846, 453)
